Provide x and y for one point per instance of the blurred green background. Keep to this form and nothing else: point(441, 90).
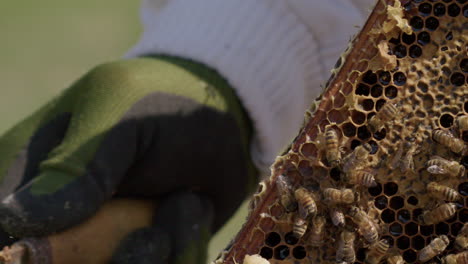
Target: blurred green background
point(45, 45)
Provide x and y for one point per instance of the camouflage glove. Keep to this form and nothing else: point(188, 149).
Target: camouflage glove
point(143, 128)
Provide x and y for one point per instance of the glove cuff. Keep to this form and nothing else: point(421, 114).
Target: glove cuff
point(260, 47)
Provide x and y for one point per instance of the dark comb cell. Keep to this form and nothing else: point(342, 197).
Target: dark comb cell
point(463, 188)
point(381, 202)
point(426, 230)
point(349, 130)
point(390, 240)
point(403, 242)
point(415, 51)
point(355, 143)
point(379, 104)
point(363, 133)
point(379, 135)
point(362, 89)
point(391, 92)
point(361, 254)
point(425, 9)
point(464, 65)
point(335, 174)
point(266, 253)
point(424, 38)
point(376, 91)
point(432, 23)
point(446, 120)
point(417, 23)
point(395, 229)
point(410, 256)
point(442, 229)
point(403, 216)
point(374, 191)
point(412, 200)
point(281, 252)
point(411, 229)
point(463, 215)
point(464, 162)
point(439, 9)
point(299, 252)
point(449, 36)
point(397, 202)
point(408, 39)
point(385, 78)
point(418, 242)
point(388, 216)
point(455, 228)
point(416, 213)
point(399, 78)
point(290, 239)
point(457, 79)
point(390, 188)
point(369, 77)
point(453, 10)
point(374, 147)
point(367, 104)
point(358, 117)
point(273, 239)
point(400, 51)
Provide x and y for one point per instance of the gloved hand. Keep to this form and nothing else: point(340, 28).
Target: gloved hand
point(145, 127)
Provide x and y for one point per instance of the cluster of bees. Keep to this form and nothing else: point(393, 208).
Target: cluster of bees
point(357, 171)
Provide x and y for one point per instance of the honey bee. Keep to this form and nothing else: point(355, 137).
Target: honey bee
point(337, 217)
point(447, 139)
point(356, 159)
point(460, 258)
point(299, 227)
point(396, 160)
point(442, 192)
point(386, 113)
point(361, 177)
point(439, 214)
point(345, 251)
point(461, 241)
point(336, 196)
point(376, 252)
point(407, 163)
point(438, 165)
point(317, 232)
point(462, 122)
point(285, 191)
point(306, 202)
point(395, 259)
point(333, 153)
point(366, 226)
point(436, 247)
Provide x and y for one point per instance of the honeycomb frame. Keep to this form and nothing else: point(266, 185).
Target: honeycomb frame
point(412, 55)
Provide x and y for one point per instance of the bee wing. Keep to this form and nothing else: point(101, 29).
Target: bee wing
point(396, 158)
point(408, 163)
point(434, 169)
point(283, 184)
point(437, 158)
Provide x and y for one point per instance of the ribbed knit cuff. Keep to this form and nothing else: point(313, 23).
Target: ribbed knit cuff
point(261, 47)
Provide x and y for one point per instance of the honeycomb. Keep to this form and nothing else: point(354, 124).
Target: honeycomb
point(392, 119)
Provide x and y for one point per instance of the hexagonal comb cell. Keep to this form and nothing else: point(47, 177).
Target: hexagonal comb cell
point(390, 93)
